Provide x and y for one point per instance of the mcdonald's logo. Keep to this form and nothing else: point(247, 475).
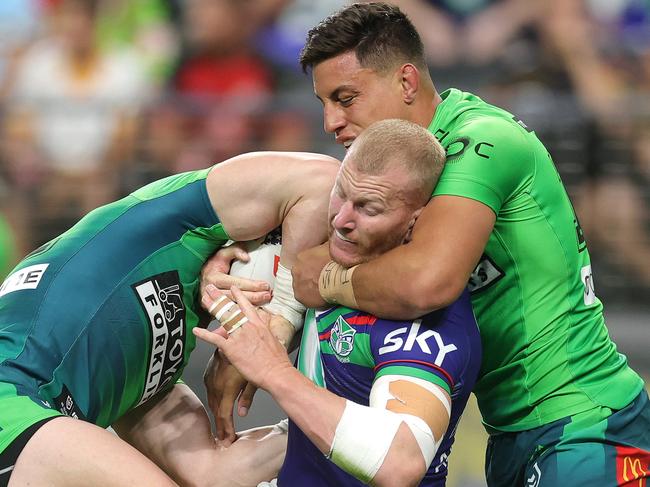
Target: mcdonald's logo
point(632, 467)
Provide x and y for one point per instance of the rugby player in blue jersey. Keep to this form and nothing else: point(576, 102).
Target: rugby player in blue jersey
point(381, 399)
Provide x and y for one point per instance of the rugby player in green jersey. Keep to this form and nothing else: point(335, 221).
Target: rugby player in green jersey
point(95, 328)
point(560, 403)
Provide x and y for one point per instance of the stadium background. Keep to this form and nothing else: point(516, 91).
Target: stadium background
point(98, 97)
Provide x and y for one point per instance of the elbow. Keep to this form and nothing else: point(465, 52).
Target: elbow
point(408, 472)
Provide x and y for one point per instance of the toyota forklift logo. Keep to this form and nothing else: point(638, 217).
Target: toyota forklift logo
point(161, 298)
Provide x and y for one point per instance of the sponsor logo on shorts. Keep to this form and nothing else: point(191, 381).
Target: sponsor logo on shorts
point(342, 339)
point(534, 479)
point(26, 278)
point(632, 466)
point(485, 274)
point(161, 297)
point(66, 404)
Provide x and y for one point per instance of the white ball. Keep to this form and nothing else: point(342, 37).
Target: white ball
point(264, 256)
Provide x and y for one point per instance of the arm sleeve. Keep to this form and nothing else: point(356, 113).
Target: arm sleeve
point(488, 159)
point(432, 348)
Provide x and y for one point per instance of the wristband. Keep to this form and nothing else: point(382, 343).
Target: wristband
point(335, 285)
point(284, 303)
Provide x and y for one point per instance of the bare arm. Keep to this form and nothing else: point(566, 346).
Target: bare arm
point(173, 430)
point(413, 279)
point(319, 413)
point(432, 270)
point(255, 193)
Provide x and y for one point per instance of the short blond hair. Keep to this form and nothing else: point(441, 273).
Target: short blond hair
point(394, 142)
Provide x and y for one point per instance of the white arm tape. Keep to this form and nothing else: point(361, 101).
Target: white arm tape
point(284, 303)
point(380, 395)
point(362, 439)
point(424, 437)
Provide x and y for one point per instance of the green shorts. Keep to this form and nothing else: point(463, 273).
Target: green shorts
point(599, 447)
point(19, 412)
point(20, 417)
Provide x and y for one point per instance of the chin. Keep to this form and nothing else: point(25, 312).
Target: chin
point(344, 258)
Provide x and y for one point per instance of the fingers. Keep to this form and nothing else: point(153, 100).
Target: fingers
point(244, 304)
point(240, 254)
point(212, 292)
point(224, 418)
point(246, 400)
point(208, 336)
point(224, 309)
point(231, 314)
point(226, 281)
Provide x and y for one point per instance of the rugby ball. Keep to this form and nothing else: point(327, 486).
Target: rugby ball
point(264, 256)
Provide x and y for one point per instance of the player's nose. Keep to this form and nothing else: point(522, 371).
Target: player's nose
point(344, 218)
point(333, 119)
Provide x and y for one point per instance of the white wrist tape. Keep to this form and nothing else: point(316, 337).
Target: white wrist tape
point(362, 439)
point(284, 303)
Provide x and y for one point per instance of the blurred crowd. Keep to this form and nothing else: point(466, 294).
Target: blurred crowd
point(98, 97)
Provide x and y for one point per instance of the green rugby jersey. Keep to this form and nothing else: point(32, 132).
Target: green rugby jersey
point(99, 320)
point(546, 351)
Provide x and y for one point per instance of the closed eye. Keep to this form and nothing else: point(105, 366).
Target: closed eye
point(346, 101)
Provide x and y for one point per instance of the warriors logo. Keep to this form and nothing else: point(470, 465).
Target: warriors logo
point(342, 339)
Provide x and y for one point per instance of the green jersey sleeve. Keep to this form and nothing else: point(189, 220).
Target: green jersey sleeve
point(487, 161)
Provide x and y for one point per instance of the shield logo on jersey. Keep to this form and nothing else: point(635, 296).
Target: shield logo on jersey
point(485, 274)
point(342, 338)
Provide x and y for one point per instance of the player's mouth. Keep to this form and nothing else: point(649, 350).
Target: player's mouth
point(346, 142)
point(342, 237)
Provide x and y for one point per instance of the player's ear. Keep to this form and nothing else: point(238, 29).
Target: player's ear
point(414, 218)
point(410, 82)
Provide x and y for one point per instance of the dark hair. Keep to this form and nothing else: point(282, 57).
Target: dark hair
point(380, 34)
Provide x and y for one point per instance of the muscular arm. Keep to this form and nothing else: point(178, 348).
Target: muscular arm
point(411, 280)
point(173, 430)
point(255, 193)
point(432, 270)
point(320, 413)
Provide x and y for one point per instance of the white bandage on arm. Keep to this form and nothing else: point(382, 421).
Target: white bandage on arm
point(362, 439)
point(364, 435)
point(284, 303)
point(382, 393)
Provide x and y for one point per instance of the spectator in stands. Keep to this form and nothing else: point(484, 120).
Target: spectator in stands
point(475, 32)
point(225, 84)
point(8, 246)
point(143, 26)
point(602, 46)
point(71, 117)
point(18, 27)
